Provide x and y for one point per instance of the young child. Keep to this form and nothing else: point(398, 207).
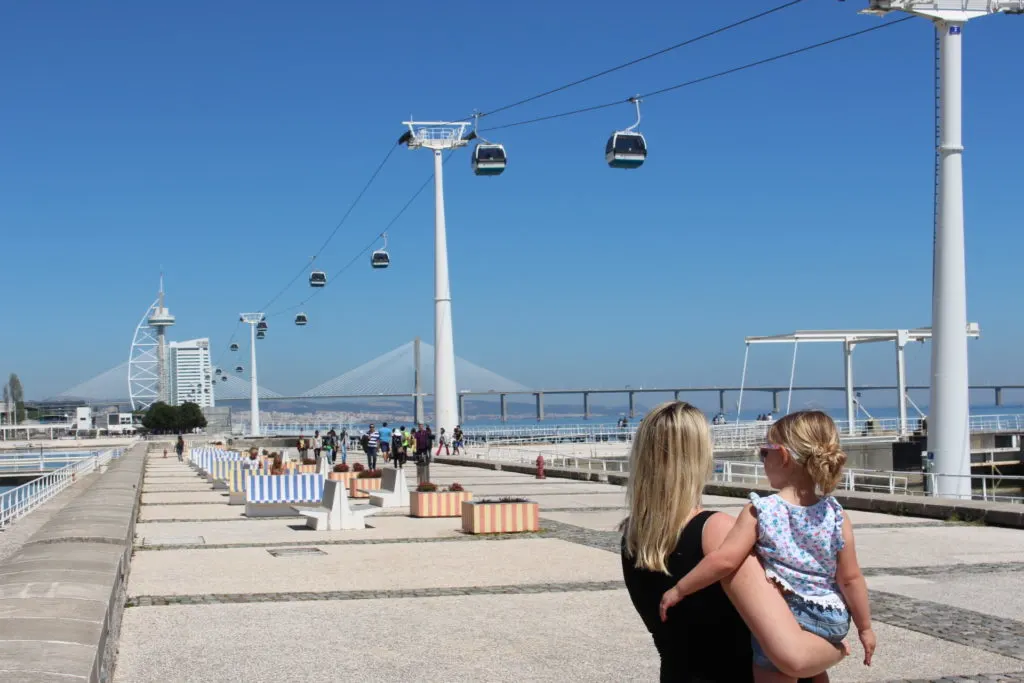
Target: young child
point(804, 540)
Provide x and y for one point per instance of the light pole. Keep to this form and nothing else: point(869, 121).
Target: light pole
point(252, 320)
point(948, 430)
point(438, 137)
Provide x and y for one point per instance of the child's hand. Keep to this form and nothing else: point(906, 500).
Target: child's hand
point(867, 639)
point(670, 599)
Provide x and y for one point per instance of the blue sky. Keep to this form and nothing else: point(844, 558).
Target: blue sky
point(223, 142)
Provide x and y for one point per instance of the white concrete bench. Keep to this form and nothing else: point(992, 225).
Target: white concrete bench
point(393, 492)
point(334, 512)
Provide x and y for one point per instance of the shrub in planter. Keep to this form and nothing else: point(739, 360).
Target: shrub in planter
point(308, 461)
point(500, 516)
point(456, 487)
point(430, 500)
point(358, 467)
point(341, 467)
point(426, 487)
point(370, 474)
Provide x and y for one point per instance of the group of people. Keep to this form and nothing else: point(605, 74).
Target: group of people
point(396, 445)
point(330, 445)
point(768, 596)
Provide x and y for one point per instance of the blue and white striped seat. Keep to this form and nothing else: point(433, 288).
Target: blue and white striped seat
point(284, 488)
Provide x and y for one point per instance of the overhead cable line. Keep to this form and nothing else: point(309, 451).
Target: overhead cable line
point(337, 227)
point(632, 62)
point(703, 79)
point(355, 259)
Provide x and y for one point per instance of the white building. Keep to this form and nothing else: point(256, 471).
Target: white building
point(190, 376)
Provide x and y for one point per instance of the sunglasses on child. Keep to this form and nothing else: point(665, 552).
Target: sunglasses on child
point(770, 448)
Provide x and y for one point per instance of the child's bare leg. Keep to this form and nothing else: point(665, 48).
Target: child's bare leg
point(820, 678)
point(766, 676)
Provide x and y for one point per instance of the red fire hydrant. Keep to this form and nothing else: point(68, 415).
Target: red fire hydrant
point(540, 467)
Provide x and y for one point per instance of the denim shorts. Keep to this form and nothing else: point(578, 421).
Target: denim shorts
point(831, 624)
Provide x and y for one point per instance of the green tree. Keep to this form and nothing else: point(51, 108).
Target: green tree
point(190, 416)
point(17, 394)
point(160, 418)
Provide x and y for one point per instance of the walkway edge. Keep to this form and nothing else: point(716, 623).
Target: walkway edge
point(62, 595)
point(994, 514)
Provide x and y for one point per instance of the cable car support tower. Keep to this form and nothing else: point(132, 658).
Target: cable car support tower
point(948, 433)
point(439, 136)
point(252, 320)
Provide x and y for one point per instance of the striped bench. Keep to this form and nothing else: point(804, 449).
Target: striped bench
point(269, 495)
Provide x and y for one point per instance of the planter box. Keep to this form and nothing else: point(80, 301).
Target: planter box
point(355, 483)
point(437, 504)
point(343, 477)
point(499, 518)
point(307, 469)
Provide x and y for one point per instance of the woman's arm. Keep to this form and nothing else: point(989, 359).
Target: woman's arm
point(794, 651)
point(717, 564)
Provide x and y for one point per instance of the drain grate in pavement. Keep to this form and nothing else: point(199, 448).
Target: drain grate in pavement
point(295, 552)
point(174, 540)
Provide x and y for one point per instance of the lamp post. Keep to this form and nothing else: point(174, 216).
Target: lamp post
point(252, 320)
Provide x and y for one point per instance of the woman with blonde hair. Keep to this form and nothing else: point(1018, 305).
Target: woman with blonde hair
point(707, 637)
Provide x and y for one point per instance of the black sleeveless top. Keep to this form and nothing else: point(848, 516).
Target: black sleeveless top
point(704, 639)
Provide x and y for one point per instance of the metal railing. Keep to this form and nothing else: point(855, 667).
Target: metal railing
point(19, 501)
point(15, 463)
point(741, 472)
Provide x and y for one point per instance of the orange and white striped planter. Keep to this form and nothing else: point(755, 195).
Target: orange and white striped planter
point(499, 518)
point(370, 484)
point(437, 503)
point(307, 469)
point(342, 476)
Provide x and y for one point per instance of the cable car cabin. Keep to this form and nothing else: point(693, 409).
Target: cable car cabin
point(318, 278)
point(380, 259)
point(234, 347)
point(261, 335)
point(239, 369)
point(218, 371)
point(261, 326)
point(625, 150)
point(300, 319)
point(224, 378)
point(489, 159)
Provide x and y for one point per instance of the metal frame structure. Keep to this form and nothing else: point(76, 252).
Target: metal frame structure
point(949, 439)
point(439, 136)
point(850, 339)
point(252, 320)
point(144, 363)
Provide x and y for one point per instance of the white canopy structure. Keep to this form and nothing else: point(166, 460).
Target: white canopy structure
point(850, 339)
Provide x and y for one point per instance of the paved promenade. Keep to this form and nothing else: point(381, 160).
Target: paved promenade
point(416, 600)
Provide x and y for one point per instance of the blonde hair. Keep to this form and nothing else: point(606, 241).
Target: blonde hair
point(669, 464)
point(812, 439)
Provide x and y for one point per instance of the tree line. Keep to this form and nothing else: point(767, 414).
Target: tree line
point(14, 398)
point(161, 417)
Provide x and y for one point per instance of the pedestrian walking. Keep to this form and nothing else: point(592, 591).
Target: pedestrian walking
point(179, 448)
point(302, 447)
point(442, 442)
point(385, 441)
point(457, 440)
point(343, 443)
point(396, 449)
point(372, 444)
point(318, 445)
point(422, 439)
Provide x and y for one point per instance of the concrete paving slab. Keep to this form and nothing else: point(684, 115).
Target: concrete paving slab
point(26, 658)
point(996, 594)
point(369, 567)
point(17, 629)
point(293, 531)
point(149, 513)
point(198, 497)
point(34, 607)
point(571, 637)
point(947, 544)
point(191, 487)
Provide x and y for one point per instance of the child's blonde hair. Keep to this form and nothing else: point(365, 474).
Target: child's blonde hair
point(812, 439)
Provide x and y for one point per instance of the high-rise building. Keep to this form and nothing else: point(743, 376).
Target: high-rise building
point(189, 373)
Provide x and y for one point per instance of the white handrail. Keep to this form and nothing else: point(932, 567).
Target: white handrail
point(19, 501)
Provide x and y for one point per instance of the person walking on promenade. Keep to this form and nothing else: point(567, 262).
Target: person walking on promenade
point(302, 447)
point(318, 445)
point(397, 454)
point(804, 541)
point(179, 448)
point(372, 444)
point(707, 637)
point(442, 442)
point(422, 439)
point(431, 437)
point(343, 443)
point(457, 440)
point(385, 441)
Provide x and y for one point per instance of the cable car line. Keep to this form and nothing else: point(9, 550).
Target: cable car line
point(638, 60)
point(703, 79)
point(334, 232)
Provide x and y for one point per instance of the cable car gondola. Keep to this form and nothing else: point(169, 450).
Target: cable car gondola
point(380, 258)
point(224, 378)
point(234, 347)
point(260, 334)
point(627, 148)
point(489, 158)
point(261, 326)
point(318, 278)
point(218, 371)
point(301, 319)
point(239, 369)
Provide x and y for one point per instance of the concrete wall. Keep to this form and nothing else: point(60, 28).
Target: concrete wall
point(62, 594)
